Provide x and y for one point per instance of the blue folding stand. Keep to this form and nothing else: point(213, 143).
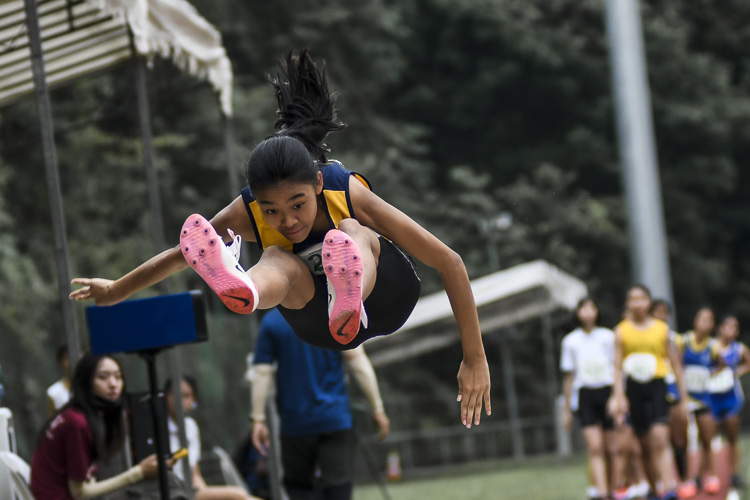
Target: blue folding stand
point(145, 327)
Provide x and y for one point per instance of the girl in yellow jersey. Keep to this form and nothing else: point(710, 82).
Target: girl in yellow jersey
point(642, 348)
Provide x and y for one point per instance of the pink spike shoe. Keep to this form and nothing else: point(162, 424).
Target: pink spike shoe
point(218, 264)
point(342, 263)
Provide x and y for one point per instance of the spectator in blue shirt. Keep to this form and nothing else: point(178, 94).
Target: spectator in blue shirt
point(313, 405)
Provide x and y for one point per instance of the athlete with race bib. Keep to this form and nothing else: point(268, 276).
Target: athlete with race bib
point(587, 362)
point(727, 398)
point(642, 348)
point(700, 356)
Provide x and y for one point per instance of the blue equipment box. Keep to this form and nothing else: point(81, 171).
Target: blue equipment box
point(144, 324)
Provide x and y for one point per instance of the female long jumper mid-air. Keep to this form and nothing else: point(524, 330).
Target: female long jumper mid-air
point(331, 247)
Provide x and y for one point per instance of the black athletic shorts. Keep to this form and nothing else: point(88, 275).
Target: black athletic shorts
point(648, 404)
point(592, 407)
point(388, 306)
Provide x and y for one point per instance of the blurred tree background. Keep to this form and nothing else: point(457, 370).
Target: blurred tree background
point(457, 111)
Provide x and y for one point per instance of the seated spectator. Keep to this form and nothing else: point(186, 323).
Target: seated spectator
point(89, 428)
point(202, 490)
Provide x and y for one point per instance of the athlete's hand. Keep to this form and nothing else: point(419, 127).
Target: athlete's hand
point(261, 438)
point(567, 419)
point(473, 386)
point(97, 289)
point(617, 407)
point(682, 407)
point(150, 465)
point(382, 424)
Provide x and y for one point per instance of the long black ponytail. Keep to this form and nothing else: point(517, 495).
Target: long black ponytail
point(307, 115)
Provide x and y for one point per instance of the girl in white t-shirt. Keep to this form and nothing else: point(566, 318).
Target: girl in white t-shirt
point(202, 490)
point(587, 363)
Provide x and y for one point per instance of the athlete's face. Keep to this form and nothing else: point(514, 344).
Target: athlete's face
point(587, 313)
point(704, 321)
point(291, 207)
point(729, 328)
point(661, 311)
point(638, 302)
point(107, 382)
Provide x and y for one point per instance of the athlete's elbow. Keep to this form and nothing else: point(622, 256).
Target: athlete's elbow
point(451, 262)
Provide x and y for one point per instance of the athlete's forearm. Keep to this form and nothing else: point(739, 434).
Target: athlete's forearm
point(743, 367)
point(567, 389)
point(674, 360)
point(97, 488)
point(154, 270)
point(363, 372)
point(262, 378)
point(617, 387)
point(458, 288)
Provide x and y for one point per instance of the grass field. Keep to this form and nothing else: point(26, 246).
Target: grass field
point(545, 478)
point(542, 478)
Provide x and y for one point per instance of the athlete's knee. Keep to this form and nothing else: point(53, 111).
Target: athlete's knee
point(283, 260)
point(615, 450)
point(596, 450)
point(350, 226)
point(659, 442)
point(276, 252)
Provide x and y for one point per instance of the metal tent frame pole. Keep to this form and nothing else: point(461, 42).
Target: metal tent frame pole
point(173, 357)
point(44, 110)
point(506, 357)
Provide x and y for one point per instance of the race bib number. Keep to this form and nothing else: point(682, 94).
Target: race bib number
point(696, 378)
point(722, 381)
point(640, 366)
point(595, 372)
point(312, 258)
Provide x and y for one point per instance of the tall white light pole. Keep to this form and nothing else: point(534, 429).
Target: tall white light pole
point(648, 246)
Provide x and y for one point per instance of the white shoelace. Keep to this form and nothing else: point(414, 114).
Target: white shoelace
point(235, 247)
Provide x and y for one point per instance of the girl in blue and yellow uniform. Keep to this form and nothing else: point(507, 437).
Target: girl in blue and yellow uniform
point(727, 398)
point(332, 258)
point(642, 347)
point(700, 358)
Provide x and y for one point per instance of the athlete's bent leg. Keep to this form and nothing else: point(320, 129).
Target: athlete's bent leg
point(369, 248)
point(282, 278)
point(349, 256)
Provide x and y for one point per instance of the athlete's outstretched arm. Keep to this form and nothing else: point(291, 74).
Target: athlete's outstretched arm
point(473, 374)
point(161, 266)
point(617, 406)
point(674, 355)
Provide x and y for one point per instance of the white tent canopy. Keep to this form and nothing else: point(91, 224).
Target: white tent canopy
point(503, 298)
point(83, 36)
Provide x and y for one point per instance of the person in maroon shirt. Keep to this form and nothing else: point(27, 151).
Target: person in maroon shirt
point(89, 428)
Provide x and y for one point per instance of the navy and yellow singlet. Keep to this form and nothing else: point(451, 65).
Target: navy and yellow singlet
point(644, 351)
point(337, 205)
point(397, 285)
